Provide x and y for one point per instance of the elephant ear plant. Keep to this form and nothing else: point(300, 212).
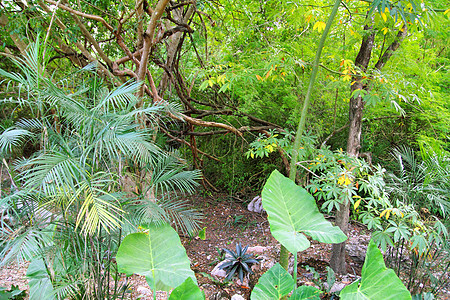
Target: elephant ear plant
point(157, 254)
point(377, 281)
point(292, 213)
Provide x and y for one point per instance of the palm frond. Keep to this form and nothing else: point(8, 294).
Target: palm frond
point(181, 213)
point(168, 176)
point(97, 211)
point(53, 173)
point(168, 210)
point(11, 139)
point(32, 125)
point(148, 211)
point(23, 244)
point(119, 98)
point(115, 142)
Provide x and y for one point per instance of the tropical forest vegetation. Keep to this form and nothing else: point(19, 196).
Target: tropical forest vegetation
point(135, 134)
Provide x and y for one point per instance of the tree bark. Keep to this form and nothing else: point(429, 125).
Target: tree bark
point(337, 261)
point(356, 108)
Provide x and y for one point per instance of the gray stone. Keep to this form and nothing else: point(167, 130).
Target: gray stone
point(337, 286)
point(256, 205)
point(217, 272)
point(357, 247)
point(243, 284)
point(237, 297)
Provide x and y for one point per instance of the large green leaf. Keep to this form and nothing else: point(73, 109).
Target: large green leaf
point(158, 255)
point(39, 281)
point(292, 210)
point(188, 290)
point(377, 281)
point(273, 284)
point(306, 293)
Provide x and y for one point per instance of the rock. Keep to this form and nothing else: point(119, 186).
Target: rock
point(256, 205)
point(357, 247)
point(265, 263)
point(143, 290)
point(217, 272)
point(257, 250)
point(237, 297)
point(209, 290)
point(244, 284)
point(337, 286)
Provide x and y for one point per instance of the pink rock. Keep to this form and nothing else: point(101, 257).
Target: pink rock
point(257, 250)
point(217, 272)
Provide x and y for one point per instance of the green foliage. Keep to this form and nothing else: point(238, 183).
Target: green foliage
point(377, 282)
point(164, 267)
point(236, 174)
point(188, 290)
point(421, 184)
point(276, 283)
point(292, 212)
point(13, 293)
point(405, 225)
point(238, 263)
point(268, 143)
point(70, 207)
point(39, 281)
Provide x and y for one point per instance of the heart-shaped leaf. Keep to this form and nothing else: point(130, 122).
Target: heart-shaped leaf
point(273, 284)
point(377, 281)
point(292, 211)
point(156, 254)
point(188, 290)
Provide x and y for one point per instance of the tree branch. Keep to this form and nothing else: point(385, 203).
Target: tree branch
point(392, 47)
point(188, 144)
point(81, 14)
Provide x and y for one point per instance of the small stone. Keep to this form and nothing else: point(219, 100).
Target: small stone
point(337, 287)
point(237, 297)
point(256, 205)
point(208, 257)
point(143, 290)
point(244, 284)
point(209, 290)
point(257, 250)
point(217, 272)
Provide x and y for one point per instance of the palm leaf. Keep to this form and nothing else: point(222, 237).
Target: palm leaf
point(168, 176)
point(11, 139)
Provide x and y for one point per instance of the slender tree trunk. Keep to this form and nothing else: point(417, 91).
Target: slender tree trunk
point(337, 261)
point(173, 45)
point(356, 107)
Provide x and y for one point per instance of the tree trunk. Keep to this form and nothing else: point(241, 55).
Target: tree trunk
point(337, 261)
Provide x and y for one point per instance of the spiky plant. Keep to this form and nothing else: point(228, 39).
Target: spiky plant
point(238, 263)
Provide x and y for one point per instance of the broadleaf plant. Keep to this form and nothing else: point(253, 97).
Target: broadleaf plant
point(292, 213)
point(278, 283)
point(377, 281)
point(188, 290)
point(156, 254)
